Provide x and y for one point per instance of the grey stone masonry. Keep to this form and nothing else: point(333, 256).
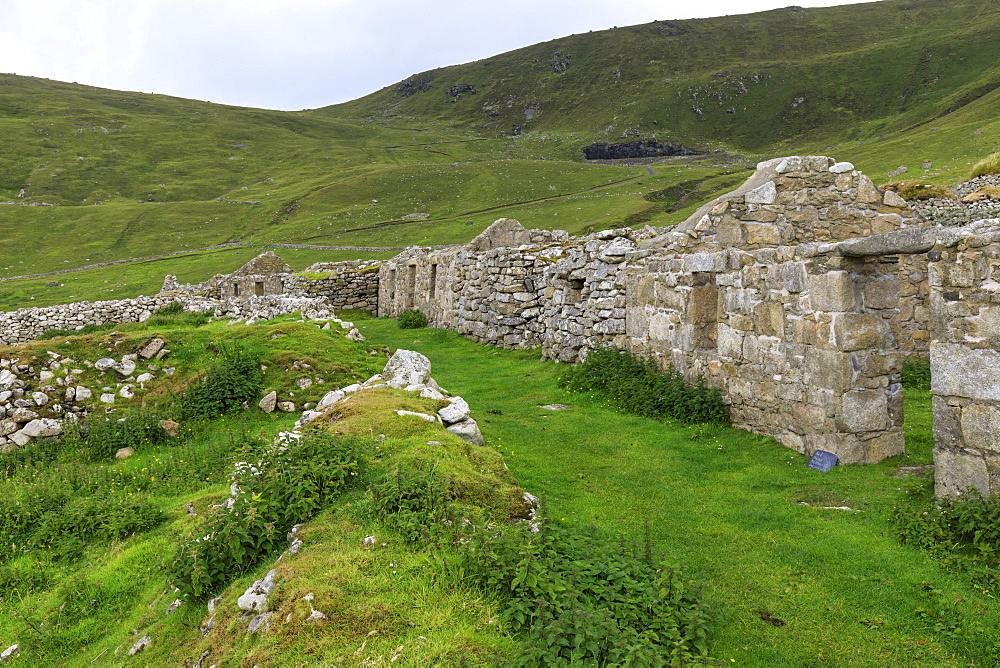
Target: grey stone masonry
point(965, 358)
point(803, 334)
point(349, 284)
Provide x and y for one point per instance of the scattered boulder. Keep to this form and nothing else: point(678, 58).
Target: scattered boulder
point(286, 406)
point(125, 368)
point(140, 644)
point(151, 348)
point(83, 393)
point(8, 427)
point(422, 416)
point(329, 399)
point(269, 402)
point(456, 411)
point(468, 430)
point(255, 597)
point(406, 367)
point(124, 453)
point(258, 622)
point(8, 653)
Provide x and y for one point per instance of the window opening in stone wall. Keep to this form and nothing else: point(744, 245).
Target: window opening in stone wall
point(574, 291)
point(434, 276)
point(411, 284)
point(236, 289)
point(258, 288)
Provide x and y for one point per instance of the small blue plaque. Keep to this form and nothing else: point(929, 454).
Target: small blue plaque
point(822, 461)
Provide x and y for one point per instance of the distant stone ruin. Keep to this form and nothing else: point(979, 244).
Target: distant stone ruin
point(351, 284)
point(797, 295)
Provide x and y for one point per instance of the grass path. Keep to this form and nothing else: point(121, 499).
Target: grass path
point(792, 582)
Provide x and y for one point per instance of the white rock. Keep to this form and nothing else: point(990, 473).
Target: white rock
point(374, 380)
point(842, 167)
point(765, 194)
point(355, 335)
point(456, 411)
point(329, 399)
point(431, 393)
point(45, 376)
point(126, 392)
point(83, 393)
point(124, 368)
point(104, 364)
point(70, 393)
point(140, 644)
point(467, 430)
point(407, 367)
point(40, 398)
point(422, 416)
point(42, 427)
point(20, 438)
point(351, 389)
point(255, 597)
point(9, 652)
point(108, 398)
point(7, 377)
point(144, 378)
point(23, 415)
point(268, 402)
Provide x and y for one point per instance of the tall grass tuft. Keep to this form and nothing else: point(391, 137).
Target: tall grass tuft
point(988, 165)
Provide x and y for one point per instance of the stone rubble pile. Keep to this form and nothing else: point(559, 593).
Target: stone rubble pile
point(38, 394)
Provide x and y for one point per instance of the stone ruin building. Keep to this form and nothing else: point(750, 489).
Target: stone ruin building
point(798, 295)
point(346, 285)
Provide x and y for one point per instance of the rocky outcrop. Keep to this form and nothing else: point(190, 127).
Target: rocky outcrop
point(647, 148)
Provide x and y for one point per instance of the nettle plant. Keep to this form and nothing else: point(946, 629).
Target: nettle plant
point(279, 485)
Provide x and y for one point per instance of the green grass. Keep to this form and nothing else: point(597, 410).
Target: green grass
point(741, 511)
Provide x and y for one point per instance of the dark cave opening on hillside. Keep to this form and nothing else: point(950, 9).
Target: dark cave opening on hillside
point(647, 148)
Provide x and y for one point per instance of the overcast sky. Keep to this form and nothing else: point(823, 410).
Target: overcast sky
point(299, 54)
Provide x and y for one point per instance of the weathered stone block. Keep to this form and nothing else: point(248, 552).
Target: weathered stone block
point(956, 470)
point(762, 234)
point(828, 369)
point(885, 446)
point(959, 371)
point(770, 319)
point(857, 331)
point(863, 410)
point(981, 427)
point(833, 291)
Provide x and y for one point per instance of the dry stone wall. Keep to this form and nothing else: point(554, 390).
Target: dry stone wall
point(758, 292)
point(27, 324)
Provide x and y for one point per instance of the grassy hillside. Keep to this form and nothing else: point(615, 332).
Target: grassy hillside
point(747, 81)
point(134, 175)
